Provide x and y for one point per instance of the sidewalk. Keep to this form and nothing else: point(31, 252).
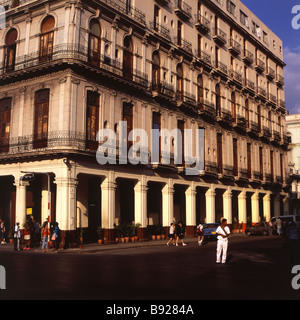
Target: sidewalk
point(95, 247)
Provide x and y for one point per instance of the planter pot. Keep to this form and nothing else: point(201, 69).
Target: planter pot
point(163, 236)
point(117, 240)
point(136, 238)
point(126, 239)
point(132, 239)
point(122, 240)
point(153, 237)
point(158, 237)
point(100, 241)
point(11, 241)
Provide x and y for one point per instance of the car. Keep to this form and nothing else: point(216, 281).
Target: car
point(209, 230)
point(258, 228)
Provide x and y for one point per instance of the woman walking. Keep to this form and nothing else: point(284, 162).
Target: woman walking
point(45, 235)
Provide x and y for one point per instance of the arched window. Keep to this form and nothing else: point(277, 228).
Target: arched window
point(233, 107)
point(92, 120)
point(179, 85)
point(5, 112)
point(259, 119)
point(41, 108)
point(156, 71)
point(46, 39)
point(10, 50)
point(128, 58)
point(200, 92)
point(95, 43)
point(218, 100)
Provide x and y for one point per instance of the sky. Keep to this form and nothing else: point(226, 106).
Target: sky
point(278, 16)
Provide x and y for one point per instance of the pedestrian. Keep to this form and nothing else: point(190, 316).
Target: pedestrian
point(200, 234)
point(17, 236)
point(279, 226)
point(2, 231)
point(171, 234)
point(36, 233)
point(27, 235)
point(223, 233)
point(180, 233)
point(270, 228)
point(55, 237)
point(45, 234)
point(292, 238)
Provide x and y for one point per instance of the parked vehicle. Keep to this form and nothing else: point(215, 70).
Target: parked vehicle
point(209, 230)
point(260, 228)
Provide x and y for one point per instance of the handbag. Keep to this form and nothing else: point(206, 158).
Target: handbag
point(53, 238)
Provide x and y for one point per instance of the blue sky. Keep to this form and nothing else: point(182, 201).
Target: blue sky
point(277, 15)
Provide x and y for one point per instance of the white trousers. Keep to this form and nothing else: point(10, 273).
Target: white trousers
point(222, 247)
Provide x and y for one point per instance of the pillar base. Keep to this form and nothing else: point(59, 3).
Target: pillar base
point(190, 231)
point(109, 236)
point(142, 234)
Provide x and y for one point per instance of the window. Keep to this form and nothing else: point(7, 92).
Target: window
point(5, 112)
point(233, 107)
point(265, 38)
point(92, 120)
point(128, 58)
point(179, 33)
point(200, 92)
point(156, 138)
point(156, 71)
point(219, 153)
point(244, 19)
point(95, 43)
point(256, 29)
point(47, 39)
point(218, 100)
point(249, 160)
point(41, 118)
point(247, 113)
point(231, 7)
point(180, 126)
point(235, 157)
point(128, 118)
point(10, 50)
point(179, 93)
point(272, 164)
point(261, 164)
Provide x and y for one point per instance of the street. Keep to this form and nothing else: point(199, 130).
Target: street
point(258, 268)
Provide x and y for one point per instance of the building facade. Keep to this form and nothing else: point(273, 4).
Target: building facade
point(293, 127)
point(72, 68)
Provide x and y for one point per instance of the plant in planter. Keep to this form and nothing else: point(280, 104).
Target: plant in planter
point(136, 227)
point(158, 231)
point(100, 234)
point(117, 232)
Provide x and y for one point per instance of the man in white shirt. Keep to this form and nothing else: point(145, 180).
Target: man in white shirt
point(223, 233)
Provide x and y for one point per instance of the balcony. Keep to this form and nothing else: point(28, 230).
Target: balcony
point(239, 123)
point(160, 29)
point(186, 100)
point(183, 10)
point(206, 109)
point(248, 57)
point(203, 56)
point(279, 80)
point(265, 133)
point(250, 85)
point(276, 138)
point(234, 47)
point(224, 118)
point(253, 129)
point(259, 66)
point(202, 24)
point(163, 2)
point(282, 104)
point(163, 91)
point(74, 55)
point(261, 92)
point(272, 99)
point(270, 73)
point(219, 36)
point(221, 67)
point(184, 44)
point(236, 76)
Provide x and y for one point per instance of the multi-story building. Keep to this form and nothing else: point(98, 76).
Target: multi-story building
point(71, 68)
point(293, 127)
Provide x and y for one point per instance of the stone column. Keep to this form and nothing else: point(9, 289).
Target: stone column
point(21, 201)
point(168, 204)
point(255, 207)
point(242, 205)
point(190, 196)
point(227, 205)
point(108, 206)
point(267, 206)
point(140, 207)
point(66, 212)
point(210, 196)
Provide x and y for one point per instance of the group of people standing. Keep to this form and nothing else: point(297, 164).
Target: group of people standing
point(223, 232)
point(34, 234)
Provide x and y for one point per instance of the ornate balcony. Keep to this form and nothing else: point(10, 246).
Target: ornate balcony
point(160, 29)
point(219, 36)
point(202, 24)
point(270, 73)
point(279, 80)
point(183, 10)
point(163, 2)
point(206, 109)
point(184, 44)
point(234, 47)
point(203, 56)
point(236, 76)
point(259, 66)
point(250, 85)
point(221, 67)
point(224, 118)
point(248, 57)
